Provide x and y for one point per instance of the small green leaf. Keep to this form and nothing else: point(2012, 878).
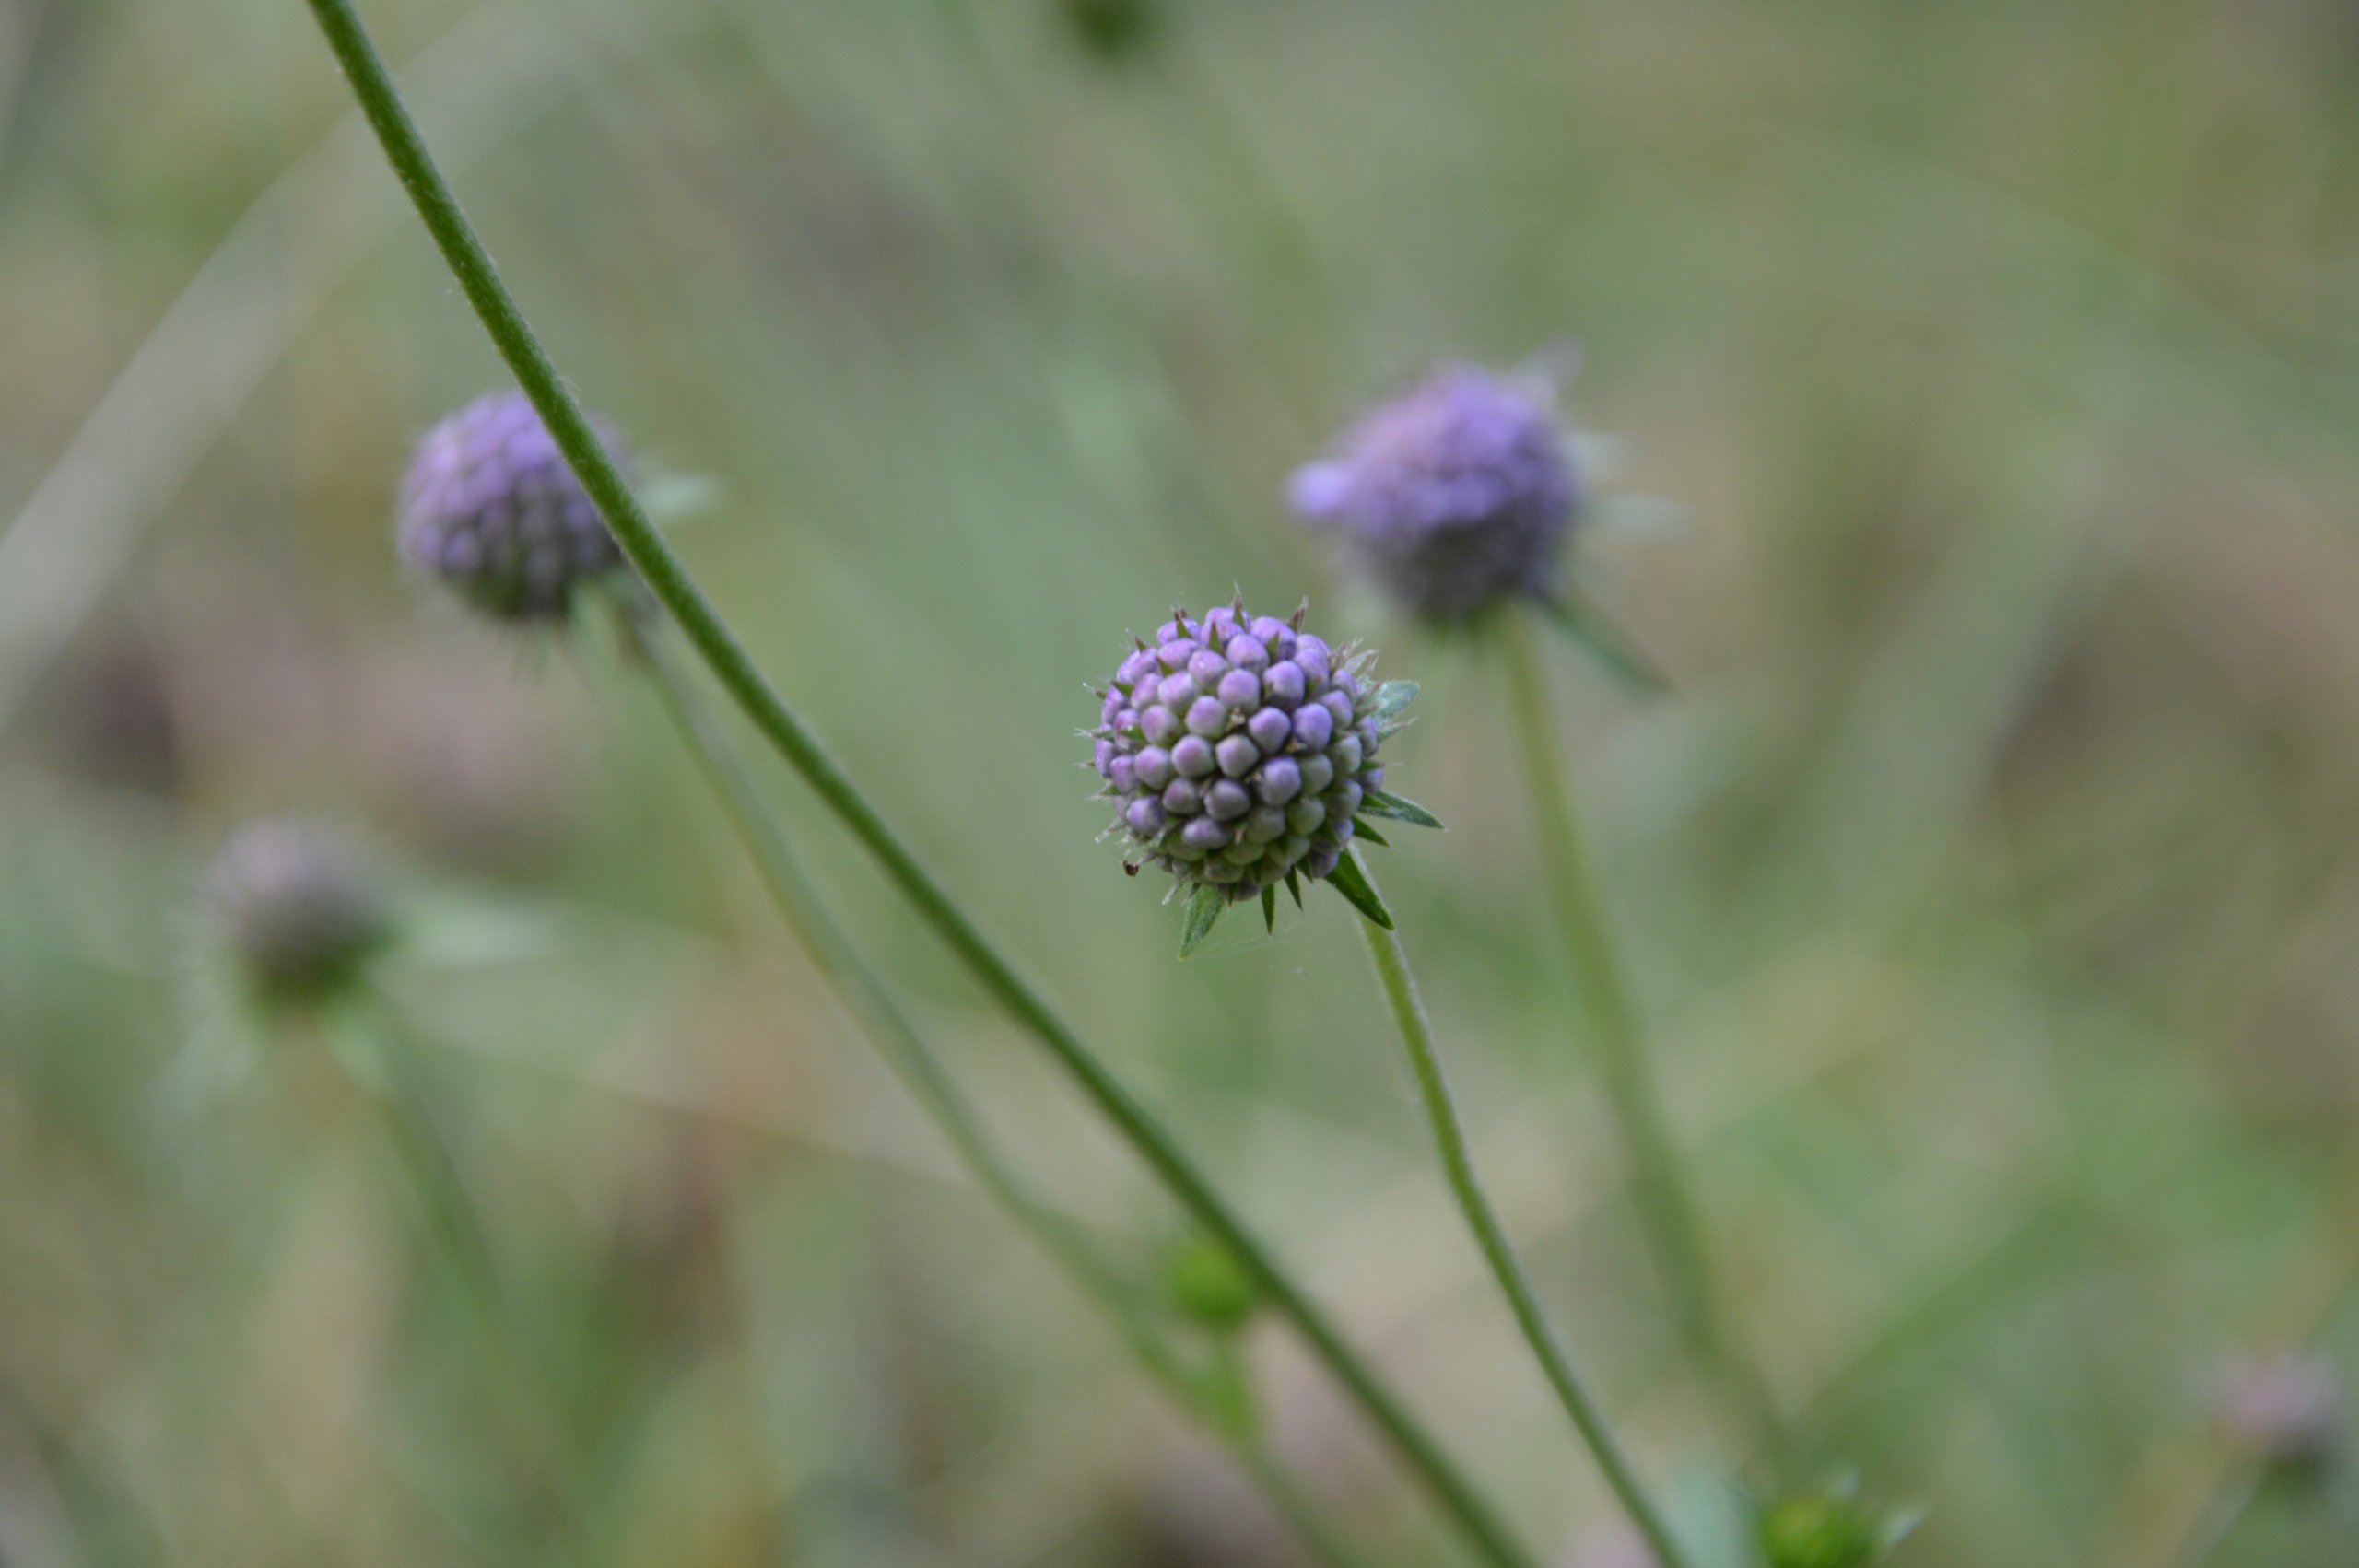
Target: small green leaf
point(1360, 829)
point(1606, 643)
point(1293, 885)
point(1270, 909)
point(1204, 908)
point(1352, 883)
point(1394, 695)
point(1379, 803)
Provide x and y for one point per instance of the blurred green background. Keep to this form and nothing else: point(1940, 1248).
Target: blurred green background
point(1991, 877)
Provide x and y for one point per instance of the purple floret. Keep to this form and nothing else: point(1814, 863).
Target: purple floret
point(490, 509)
point(1247, 747)
point(1457, 494)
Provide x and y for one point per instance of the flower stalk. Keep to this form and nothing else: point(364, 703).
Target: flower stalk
point(668, 579)
point(922, 1072)
point(1667, 1210)
point(1589, 1418)
point(376, 1060)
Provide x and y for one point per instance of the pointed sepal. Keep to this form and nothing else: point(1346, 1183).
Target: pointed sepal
point(1360, 829)
point(1353, 883)
point(1293, 885)
point(1205, 907)
point(1394, 808)
point(1391, 697)
point(1270, 909)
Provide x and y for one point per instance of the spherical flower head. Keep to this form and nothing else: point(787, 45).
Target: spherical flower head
point(1458, 494)
point(1236, 748)
point(490, 509)
point(2285, 1412)
point(297, 907)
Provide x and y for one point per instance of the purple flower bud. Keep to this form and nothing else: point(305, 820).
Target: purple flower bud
point(1203, 833)
point(1313, 727)
point(490, 508)
point(1226, 801)
point(1279, 780)
point(1269, 729)
point(1259, 778)
point(1237, 756)
point(1456, 495)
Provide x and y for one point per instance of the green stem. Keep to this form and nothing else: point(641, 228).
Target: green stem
point(455, 1233)
point(922, 1072)
point(1610, 1018)
point(668, 578)
point(1458, 1163)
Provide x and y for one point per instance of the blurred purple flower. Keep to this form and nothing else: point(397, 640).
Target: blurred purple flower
point(2286, 1412)
point(297, 905)
point(1236, 748)
point(1457, 494)
point(490, 509)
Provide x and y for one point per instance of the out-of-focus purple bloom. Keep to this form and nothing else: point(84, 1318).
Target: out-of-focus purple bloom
point(297, 905)
point(2286, 1412)
point(1457, 494)
point(1236, 748)
point(490, 509)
